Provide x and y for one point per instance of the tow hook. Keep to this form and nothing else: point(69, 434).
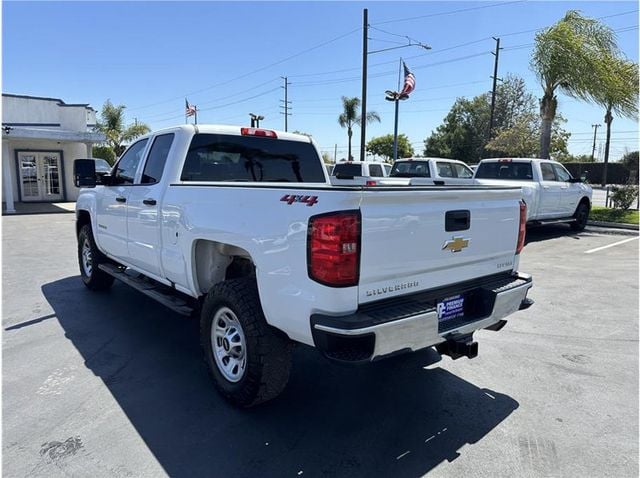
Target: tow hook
point(459, 347)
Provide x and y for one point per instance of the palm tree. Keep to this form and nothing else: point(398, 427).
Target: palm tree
point(350, 117)
point(564, 59)
point(617, 92)
point(112, 126)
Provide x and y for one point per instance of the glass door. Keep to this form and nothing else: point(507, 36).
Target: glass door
point(29, 184)
point(40, 176)
point(50, 176)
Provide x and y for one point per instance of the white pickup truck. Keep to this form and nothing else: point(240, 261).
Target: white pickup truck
point(243, 225)
point(438, 170)
point(550, 192)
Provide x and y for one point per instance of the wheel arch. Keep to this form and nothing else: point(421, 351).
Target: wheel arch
point(83, 218)
point(214, 262)
point(584, 200)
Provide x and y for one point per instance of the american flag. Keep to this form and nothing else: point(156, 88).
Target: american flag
point(409, 82)
point(190, 109)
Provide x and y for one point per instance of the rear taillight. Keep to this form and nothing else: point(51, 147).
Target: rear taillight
point(371, 183)
point(522, 229)
point(333, 248)
point(265, 133)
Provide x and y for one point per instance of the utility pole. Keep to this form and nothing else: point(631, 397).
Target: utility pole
point(595, 131)
point(335, 153)
point(495, 84)
point(286, 103)
point(363, 109)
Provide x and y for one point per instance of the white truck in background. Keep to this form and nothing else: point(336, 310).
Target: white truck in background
point(242, 226)
point(548, 189)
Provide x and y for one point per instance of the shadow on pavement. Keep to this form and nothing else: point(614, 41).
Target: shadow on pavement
point(392, 418)
point(550, 231)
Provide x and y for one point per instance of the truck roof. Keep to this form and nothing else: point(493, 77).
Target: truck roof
point(417, 158)
point(229, 130)
point(516, 160)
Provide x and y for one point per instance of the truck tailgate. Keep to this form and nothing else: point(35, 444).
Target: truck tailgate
point(406, 246)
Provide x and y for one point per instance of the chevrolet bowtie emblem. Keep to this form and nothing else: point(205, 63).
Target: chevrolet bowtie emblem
point(456, 244)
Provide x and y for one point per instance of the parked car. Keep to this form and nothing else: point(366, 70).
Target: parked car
point(437, 170)
point(241, 226)
point(359, 172)
point(549, 190)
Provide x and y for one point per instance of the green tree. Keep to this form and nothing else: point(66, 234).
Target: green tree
point(630, 160)
point(569, 158)
point(564, 59)
point(104, 152)
point(111, 124)
point(383, 146)
point(327, 158)
point(522, 139)
point(616, 90)
point(463, 133)
point(350, 117)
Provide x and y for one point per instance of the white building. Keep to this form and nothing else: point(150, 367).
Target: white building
point(41, 137)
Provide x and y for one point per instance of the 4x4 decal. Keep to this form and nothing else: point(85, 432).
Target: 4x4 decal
point(291, 198)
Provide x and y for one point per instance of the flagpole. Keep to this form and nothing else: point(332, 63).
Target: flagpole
point(395, 124)
point(196, 114)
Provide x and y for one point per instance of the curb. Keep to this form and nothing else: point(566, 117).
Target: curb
point(614, 225)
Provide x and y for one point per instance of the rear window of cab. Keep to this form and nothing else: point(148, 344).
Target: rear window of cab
point(230, 158)
point(505, 170)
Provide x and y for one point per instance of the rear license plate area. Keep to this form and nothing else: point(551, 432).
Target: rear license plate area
point(460, 309)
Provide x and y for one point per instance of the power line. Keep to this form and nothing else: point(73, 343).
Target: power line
point(451, 12)
point(320, 45)
point(225, 105)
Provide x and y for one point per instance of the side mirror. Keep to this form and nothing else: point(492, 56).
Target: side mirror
point(84, 173)
point(583, 177)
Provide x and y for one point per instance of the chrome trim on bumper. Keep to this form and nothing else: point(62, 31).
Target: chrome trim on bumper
point(421, 330)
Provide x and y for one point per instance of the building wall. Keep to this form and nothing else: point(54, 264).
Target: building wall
point(24, 110)
point(70, 152)
point(45, 117)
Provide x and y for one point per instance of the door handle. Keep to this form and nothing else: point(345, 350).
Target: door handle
point(121, 199)
point(149, 202)
point(545, 187)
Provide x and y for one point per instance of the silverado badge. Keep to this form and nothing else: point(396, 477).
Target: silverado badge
point(456, 244)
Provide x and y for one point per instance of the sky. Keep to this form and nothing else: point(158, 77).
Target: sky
point(228, 58)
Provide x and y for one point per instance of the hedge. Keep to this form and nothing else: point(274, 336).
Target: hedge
point(616, 173)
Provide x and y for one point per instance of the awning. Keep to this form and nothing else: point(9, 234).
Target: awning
point(18, 132)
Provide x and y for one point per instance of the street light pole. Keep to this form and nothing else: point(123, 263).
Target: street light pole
point(363, 109)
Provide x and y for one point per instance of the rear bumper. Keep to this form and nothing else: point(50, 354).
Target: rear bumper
point(410, 323)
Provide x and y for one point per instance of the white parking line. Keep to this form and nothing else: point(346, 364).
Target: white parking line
point(610, 245)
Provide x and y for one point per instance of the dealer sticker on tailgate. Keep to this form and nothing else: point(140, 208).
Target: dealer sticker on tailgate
point(450, 308)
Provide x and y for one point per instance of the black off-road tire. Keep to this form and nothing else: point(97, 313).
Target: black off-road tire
point(582, 216)
point(92, 276)
point(267, 351)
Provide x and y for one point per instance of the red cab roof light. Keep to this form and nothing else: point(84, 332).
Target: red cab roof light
point(266, 133)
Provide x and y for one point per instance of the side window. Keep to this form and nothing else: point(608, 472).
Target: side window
point(128, 165)
point(561, 173)
point(445, 170)
point(462, 171)
point(375, 170)
point(547, 172)
point(157, 158)
point(387, 169)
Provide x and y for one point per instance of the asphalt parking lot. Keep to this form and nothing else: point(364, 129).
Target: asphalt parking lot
point(112, 384)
